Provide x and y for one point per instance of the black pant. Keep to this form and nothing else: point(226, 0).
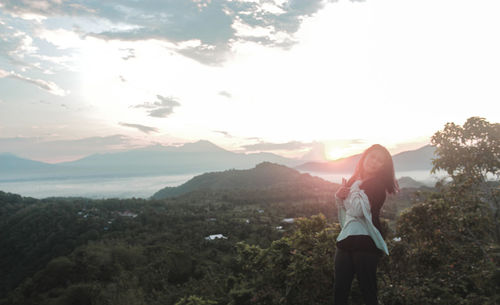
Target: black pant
point(364, 265)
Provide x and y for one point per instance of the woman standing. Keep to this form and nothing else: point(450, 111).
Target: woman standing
point(360, 243)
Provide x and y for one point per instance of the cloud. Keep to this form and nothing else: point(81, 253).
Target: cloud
point(20, 45)
point(254, 139)
point(16, 45)
point(145, 129)
point(4, 73)
point(206, 54)
point(130, 53)
point(217, 24)
point(161, 112)
point(51, 87)
point(225, 133)
point(225, 94)
point(162, 108)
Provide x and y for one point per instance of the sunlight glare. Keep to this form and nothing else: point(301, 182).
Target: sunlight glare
point(334, 153)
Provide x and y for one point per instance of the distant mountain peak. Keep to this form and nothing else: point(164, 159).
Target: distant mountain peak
point(201, 146)
point(10, 162)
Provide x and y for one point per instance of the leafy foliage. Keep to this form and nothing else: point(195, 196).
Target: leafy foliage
point(443, 257)
point(297, 269)
point(471, 150)
point(449, 251)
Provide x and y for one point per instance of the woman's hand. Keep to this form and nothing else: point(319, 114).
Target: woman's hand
point(342, 192)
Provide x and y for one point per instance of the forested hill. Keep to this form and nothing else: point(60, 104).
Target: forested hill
point(265, 175)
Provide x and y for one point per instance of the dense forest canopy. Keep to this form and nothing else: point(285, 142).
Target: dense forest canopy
point(443, 241)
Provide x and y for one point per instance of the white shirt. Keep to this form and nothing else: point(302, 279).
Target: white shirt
point(355, 217)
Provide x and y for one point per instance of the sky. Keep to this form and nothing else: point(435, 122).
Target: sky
point(311, 79)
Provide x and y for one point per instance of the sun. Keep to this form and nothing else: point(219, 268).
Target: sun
point(338, 149)
point(334, 153)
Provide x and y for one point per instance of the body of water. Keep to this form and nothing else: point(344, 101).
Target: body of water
point(96, 188)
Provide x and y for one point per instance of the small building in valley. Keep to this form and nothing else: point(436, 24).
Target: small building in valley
point(215, 236)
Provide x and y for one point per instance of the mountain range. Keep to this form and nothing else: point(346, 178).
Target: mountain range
point(190, 158)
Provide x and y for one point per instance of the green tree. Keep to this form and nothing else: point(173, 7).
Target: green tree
point(472, 149)
point(443, 256)
point(448, 251)
point(468, 154)
point(294, 270)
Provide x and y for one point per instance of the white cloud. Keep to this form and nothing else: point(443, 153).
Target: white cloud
point(210, 22)
point(4, 73)
point(272, 8)
point(51, 87)
point(225, 94)
point(23, 53)
point(224, 133)
point(245, 30)
point(162, 108)
point(45, 85)
point(61, 38)
point(25, 46)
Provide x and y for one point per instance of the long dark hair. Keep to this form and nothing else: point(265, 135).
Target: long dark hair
point(386, 173)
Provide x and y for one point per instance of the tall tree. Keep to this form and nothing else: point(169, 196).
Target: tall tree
point(470, 153)
point(471, 150)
